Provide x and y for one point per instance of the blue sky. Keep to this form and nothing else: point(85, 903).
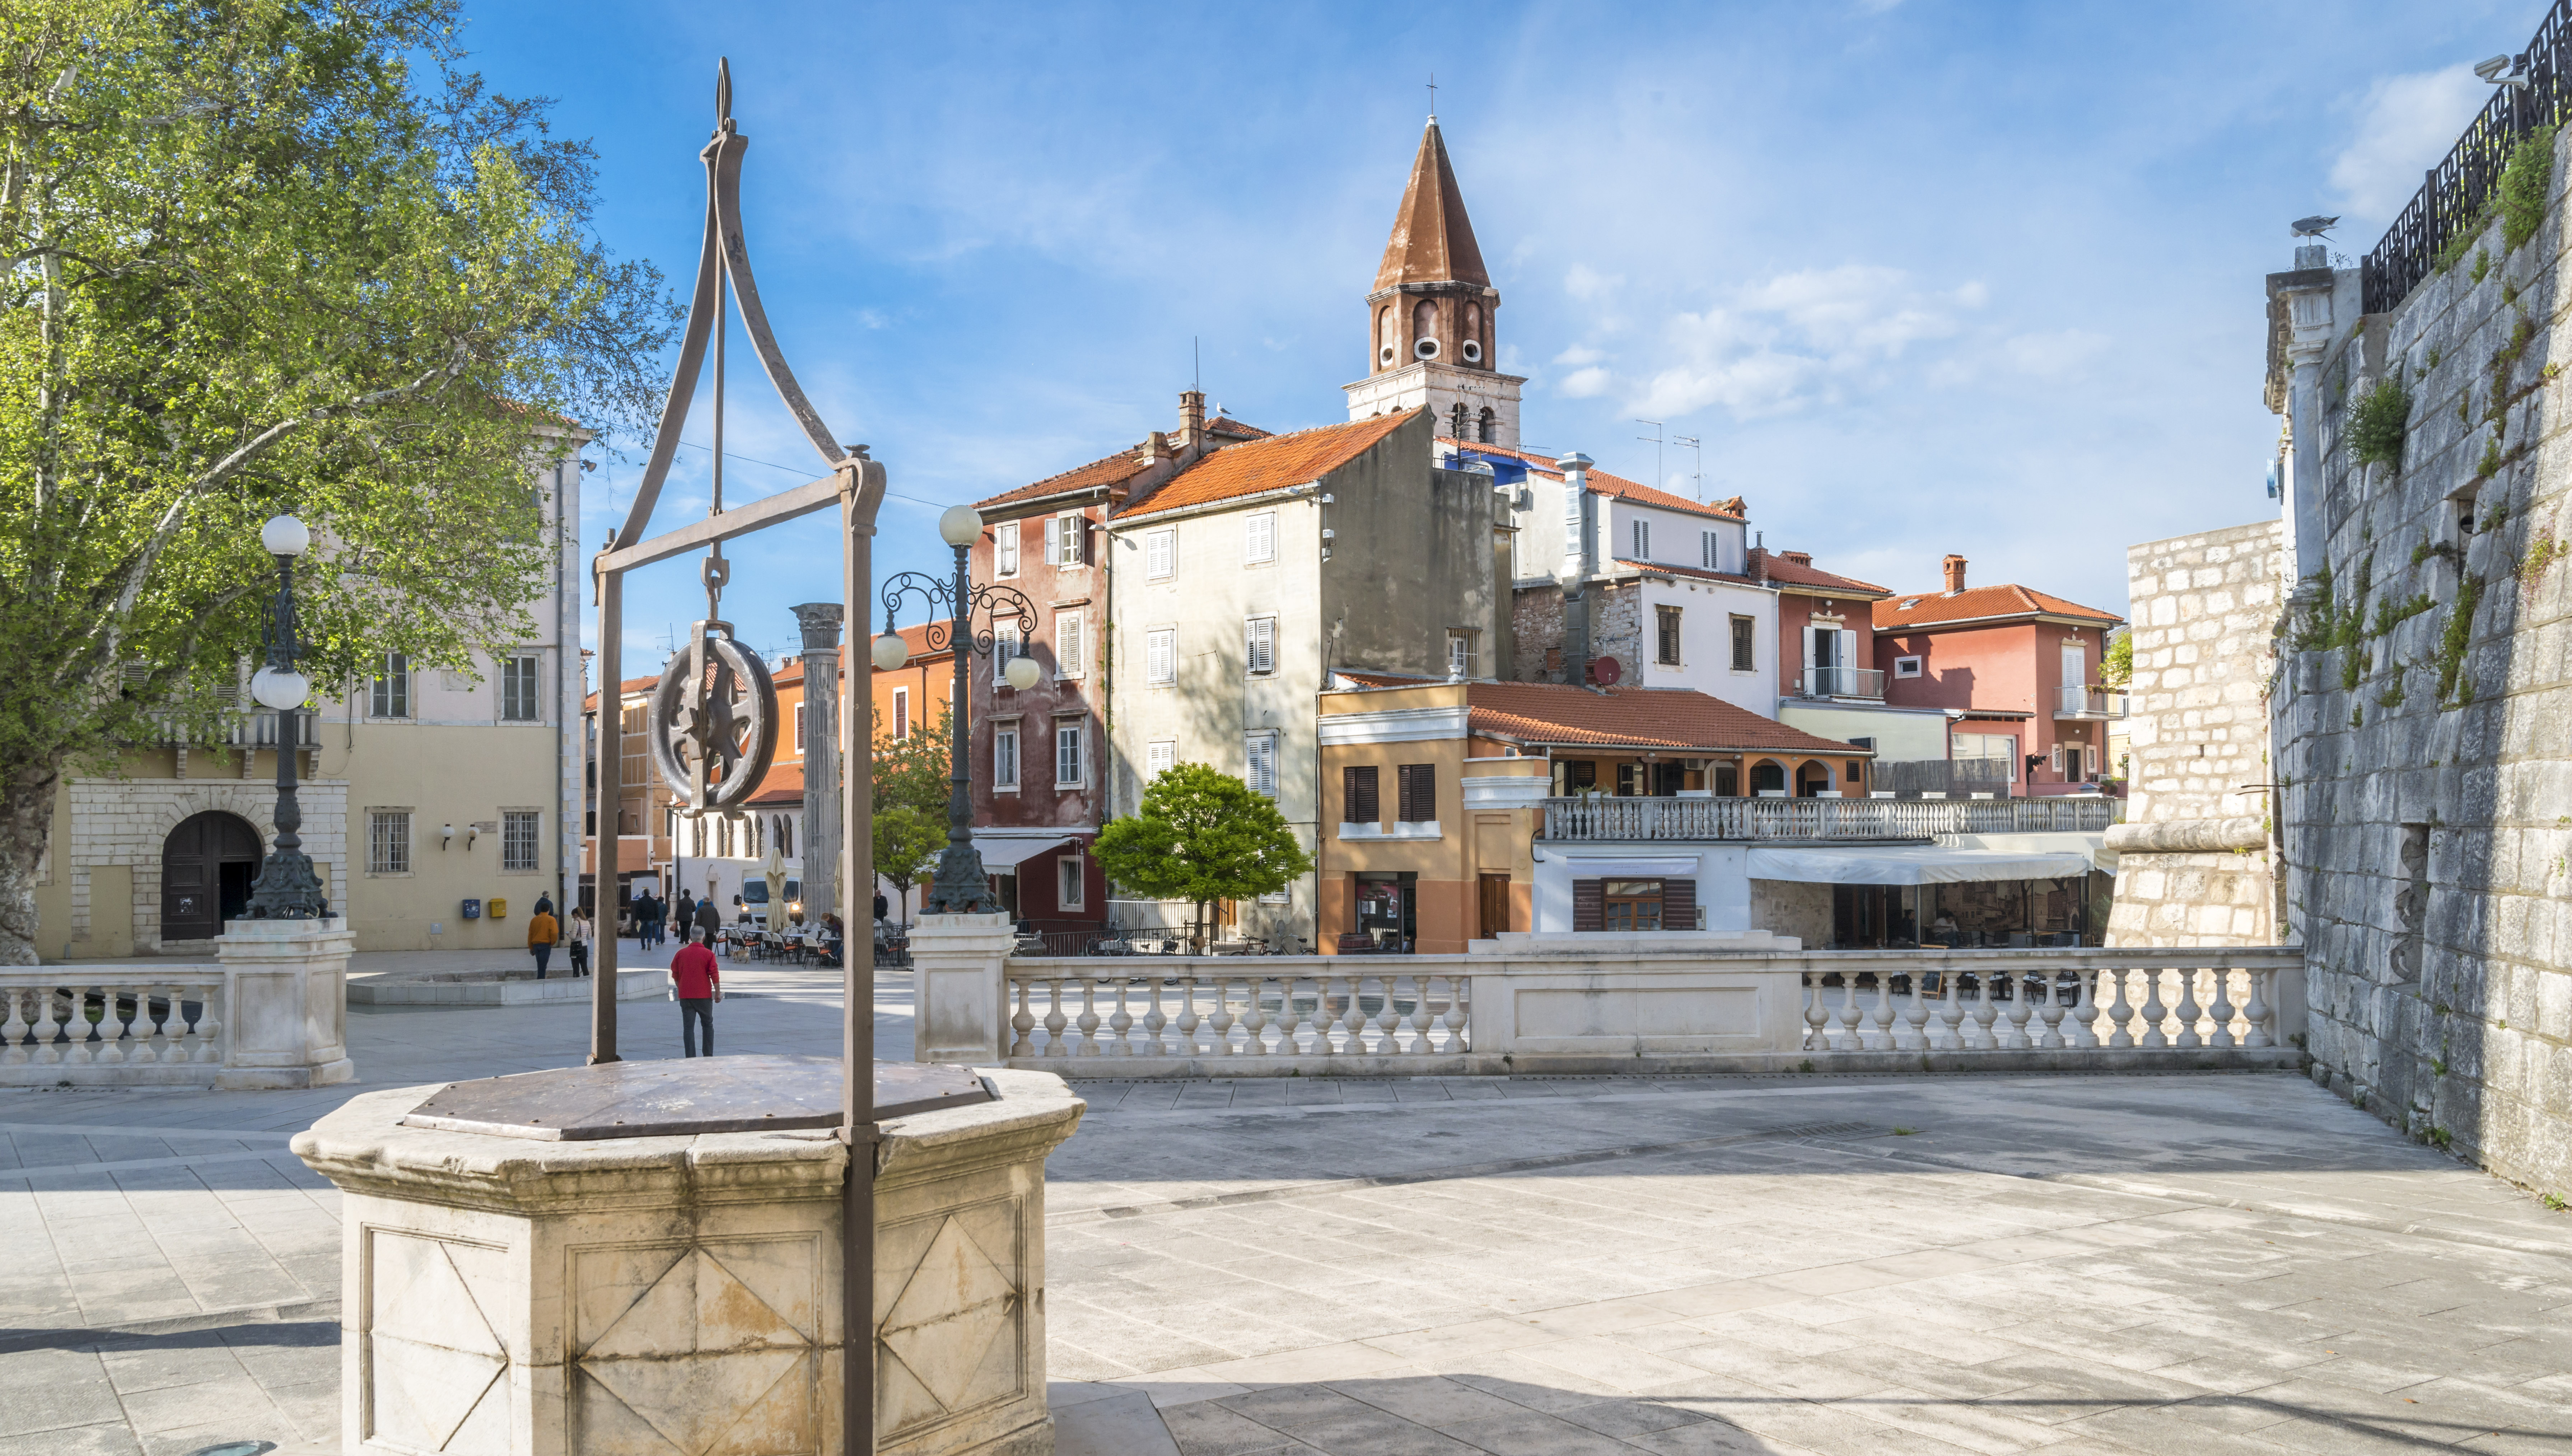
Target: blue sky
point(1925, 275)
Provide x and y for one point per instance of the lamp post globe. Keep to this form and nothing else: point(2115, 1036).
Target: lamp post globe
point(1022, 673)
point(960, 525)
point(285, 535)
point(283, 688)
point(890, 652)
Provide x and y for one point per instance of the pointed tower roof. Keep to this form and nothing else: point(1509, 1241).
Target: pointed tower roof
point(1433, 239)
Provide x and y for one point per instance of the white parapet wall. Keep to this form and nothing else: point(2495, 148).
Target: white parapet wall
point(1593, 1004)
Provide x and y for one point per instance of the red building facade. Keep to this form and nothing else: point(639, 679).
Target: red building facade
point(2012, 664)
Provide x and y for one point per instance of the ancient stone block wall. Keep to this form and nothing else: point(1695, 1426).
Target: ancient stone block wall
point(2424, 727)
point(2195, 860)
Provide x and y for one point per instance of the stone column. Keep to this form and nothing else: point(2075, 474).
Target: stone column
point(957, 964)
point(286, 1003)
point(821, 846)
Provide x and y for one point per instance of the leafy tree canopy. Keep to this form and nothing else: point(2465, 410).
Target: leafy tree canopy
point(911, 790)
point(1201, 836)
point(264, 256)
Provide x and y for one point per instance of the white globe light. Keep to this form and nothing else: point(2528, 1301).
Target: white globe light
point(280, 690)
point(890, 652)
point(962, 525)
point(285, 535)
point(1022, 673)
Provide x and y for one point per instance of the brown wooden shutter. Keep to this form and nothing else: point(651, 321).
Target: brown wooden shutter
point(1588, 904)
point(1678, 904)
point(1359, 804)
point(1416, 788)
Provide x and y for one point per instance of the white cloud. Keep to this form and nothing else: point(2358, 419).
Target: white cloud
point(2060, 354)
point(1799, 339)
point(2406, 124)
point(1589, 284)
point(1585, 383)
point(1579, 354)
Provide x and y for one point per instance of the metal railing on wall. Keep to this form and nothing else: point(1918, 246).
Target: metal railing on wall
point(2455, 197)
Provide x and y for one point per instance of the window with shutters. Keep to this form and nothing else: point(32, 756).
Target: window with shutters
point(1065, 538)
point(1070, 642)
point(1665, 636)
point(518, 701)
point(1159, 757)
point(1746, 637)
point(1071, 762)
point(1004, 756)
point(519, 835)
point(1629, 905)
point(1643, 540)
point(1711, 550)
point(1259, 647)
point(1160, 554)
point(1358, 804)
point(1004, 548)
point(1460, 652)
point(1588, 912)
point(1161, 656)
point(900, 714)
point(391, 697)
point(1070, 883)
point(798, 729)
point(1260, 758)
point(1259, 537)
point(1416, 792)
point(1007, 647)
point(1678, 905)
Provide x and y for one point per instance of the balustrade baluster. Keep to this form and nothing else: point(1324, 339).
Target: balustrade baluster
point(2085, 1011)
point(143, 1032)
point(208, 1033)
point(1914, 1032)
point(1054, 1020)
point(2154, 1011)
point(2016, 1038)
point(1425, 1014)
point(1021, 1021)
point(2188, 1012)
point(1088, 1021)
point(1951, 1011)
point(1986, 1011)
point(1816, 1012)
point(1844, 1018)
point(2050, 1012)
point(1220, 1023)
point(2222, 1010)
point(2258, 1012)
point(1183, 1026)
point(77, 1029)
point(1388, 1020)
point(13, 1029)
point(1354, 1017)
point(1879, 1032)
point(113, 1027)
point(2120, 1013)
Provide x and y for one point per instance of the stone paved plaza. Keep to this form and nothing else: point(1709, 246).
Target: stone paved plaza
point(2195, 1263)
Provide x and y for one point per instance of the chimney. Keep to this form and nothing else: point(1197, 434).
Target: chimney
point(1955, 569)
point(1191, 419)
point(1799, 558)
point(1579, 564)
point(1759, 560)
point(1154, 450)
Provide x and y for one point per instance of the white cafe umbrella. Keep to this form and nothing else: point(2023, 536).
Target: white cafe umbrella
point(775, 873)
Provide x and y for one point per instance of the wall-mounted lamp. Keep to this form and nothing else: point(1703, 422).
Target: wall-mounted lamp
point(471, 833)
point(446, 836)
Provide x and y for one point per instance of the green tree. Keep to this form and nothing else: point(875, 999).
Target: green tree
point(2116, 664)
point(1201, 836)
point(911, 790)
point(270, 255)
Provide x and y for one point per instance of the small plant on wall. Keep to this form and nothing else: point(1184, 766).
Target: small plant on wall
point(2523, 186)
point(2377, 425)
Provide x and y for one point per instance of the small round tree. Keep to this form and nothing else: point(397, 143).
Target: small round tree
point(1201, 836)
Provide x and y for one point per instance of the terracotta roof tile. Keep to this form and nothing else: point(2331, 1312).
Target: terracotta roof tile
point(1650, 718)
point(781, 787)
point(1226, 425)
point(1979, 604)
point(1105, 471)
point(1275, 463)
point(1797, 574)
point(1696, 573)
point(1600, 482)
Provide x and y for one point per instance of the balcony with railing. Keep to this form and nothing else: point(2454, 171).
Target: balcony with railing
point(2088, 702)
point(1640, 818)
point(251, 728)
point(1840, 682)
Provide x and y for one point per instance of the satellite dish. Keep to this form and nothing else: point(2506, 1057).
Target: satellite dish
point(1605, 671)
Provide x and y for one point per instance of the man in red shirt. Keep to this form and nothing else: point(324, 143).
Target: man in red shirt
point(697, 978)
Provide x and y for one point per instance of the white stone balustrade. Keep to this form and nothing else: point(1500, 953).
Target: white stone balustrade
point(112, 1026)
point(1671, 1003)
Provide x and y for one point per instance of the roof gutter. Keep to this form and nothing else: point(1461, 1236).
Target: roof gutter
point(2061, 621)
point(1229, 503)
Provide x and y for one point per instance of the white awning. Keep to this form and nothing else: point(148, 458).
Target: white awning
point(1006, 855)
point(1903, 865)
point(1604, 865)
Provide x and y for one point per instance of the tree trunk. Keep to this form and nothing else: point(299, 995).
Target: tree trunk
point(26, 814)
point(1200, 934)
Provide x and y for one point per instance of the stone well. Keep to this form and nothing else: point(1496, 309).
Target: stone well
point(521, 1296)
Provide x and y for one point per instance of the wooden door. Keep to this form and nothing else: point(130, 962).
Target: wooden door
point(1495, 905)
point(207, 866)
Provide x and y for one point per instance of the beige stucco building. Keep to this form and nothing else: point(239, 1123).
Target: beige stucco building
point(152, 859)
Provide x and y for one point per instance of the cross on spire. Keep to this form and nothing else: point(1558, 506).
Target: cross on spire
point(1433, 95)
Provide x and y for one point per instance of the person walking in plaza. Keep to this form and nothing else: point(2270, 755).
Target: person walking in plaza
point(709, 918)
point(687, 911)
point(576, 937)
point(698, 982)
point(639, 910)
point(542, 931)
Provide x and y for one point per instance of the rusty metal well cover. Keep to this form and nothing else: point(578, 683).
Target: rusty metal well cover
point(685, 1097)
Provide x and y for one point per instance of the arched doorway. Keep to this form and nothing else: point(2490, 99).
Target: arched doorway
point(207, 866)
point(1812, 778)
point(1767, 775)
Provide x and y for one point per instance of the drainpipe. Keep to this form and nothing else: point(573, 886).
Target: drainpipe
point(1579, 564)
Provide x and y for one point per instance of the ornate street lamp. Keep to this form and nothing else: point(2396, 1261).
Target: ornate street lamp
point(286, 888)
point(960, 887)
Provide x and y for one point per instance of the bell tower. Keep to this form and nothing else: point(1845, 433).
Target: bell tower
point(1432, 338)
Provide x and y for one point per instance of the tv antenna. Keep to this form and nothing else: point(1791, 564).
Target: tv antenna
point(1660, 480)
point(1696, 482)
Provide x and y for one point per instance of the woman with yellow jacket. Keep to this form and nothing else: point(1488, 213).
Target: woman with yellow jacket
point(542, 931)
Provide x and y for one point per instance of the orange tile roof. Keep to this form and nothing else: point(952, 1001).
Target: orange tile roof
point(1696, 572)
point(1275, 463)
point(1603, 483)
point(917, 636)
point(1980, 603)
point(1226, 425)
point(1105, 471)
point(1648, 717)
point(1797, 574)
point(781, 787)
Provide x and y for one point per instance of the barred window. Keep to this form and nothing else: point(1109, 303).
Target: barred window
point(389, 841)
point(518, 689)
point(519, 833)
point(392, 694)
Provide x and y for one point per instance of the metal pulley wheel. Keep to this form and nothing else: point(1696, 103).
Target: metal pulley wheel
point(738, 739)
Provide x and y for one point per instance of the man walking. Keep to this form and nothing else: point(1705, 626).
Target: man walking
point(709, 918)
point(542, 931)
point(687, 911)
point(697, 980)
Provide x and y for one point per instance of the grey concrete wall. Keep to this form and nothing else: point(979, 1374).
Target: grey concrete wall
point(2429, 760)
point(2196, 860)
point(1411, 556)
